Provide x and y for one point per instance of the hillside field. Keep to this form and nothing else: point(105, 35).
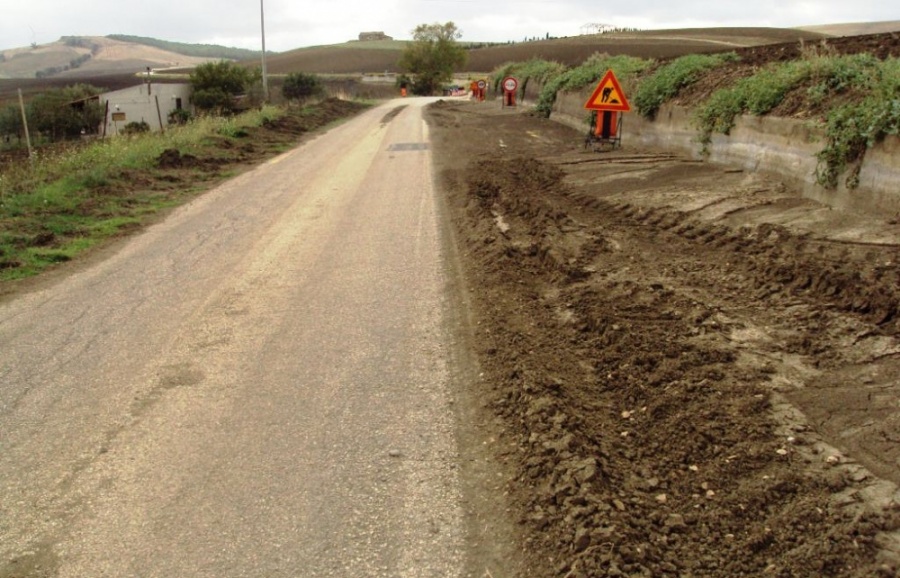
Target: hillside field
point(357, 57)
point(115, 65)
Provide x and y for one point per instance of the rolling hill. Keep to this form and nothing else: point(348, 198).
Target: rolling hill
point(356, 57)
point(855, 28)
point(86, 56)
point(76, 58)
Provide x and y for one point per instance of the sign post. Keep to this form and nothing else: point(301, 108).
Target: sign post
point(510, 85)
point(480, 87)
point(607, 104)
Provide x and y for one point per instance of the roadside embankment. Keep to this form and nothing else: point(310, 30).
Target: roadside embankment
point(781, 146)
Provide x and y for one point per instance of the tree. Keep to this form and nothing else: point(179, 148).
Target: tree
point(217, 84)
point(299, 85)
point(66, 112)
point(11, 122)
point(433, 56)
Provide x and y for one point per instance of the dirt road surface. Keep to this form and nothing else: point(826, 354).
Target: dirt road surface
point(257, 386)
point(557, 362)
point(696, 370)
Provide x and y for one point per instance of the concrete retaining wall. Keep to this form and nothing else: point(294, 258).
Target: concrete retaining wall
point(780, 146)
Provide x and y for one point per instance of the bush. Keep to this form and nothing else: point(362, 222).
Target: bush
point(299, 86)
point(179, 116)
point(54, 114)
point(217, 84)
point(135, 127)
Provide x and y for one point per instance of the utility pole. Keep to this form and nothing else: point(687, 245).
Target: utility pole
point(25, 125)
point(265, 80)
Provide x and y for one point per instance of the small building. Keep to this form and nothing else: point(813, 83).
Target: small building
point(373, 36)
point(147, 102)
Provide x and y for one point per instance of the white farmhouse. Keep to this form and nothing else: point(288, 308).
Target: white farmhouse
point(147, 102)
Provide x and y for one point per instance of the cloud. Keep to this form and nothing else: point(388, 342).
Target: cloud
point(291, 24)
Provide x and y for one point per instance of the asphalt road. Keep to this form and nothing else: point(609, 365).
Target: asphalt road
point(256, 386)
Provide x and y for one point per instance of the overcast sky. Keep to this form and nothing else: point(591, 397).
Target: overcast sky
point(294, 24)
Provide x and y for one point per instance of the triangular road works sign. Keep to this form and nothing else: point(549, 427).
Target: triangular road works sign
point(608, 95)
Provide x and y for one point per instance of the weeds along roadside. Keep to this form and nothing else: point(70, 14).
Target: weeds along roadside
point(856, 96)
point(72, 198)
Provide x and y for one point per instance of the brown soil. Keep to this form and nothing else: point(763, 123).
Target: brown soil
point(696, 371)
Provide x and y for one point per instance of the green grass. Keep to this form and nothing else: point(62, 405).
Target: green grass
point(76, 196)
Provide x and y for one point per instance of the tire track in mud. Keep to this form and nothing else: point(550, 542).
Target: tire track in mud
point(615, 339)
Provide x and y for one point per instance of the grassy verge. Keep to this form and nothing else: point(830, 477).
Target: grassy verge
point(73, 198)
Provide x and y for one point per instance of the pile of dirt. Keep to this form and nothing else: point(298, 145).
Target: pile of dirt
point(173, 159)
point(639, 355)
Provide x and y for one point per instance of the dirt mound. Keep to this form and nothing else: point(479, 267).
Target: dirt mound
point(173, 159)
point(638, 351)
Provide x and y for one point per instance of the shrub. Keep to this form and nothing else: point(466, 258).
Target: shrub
point(135, 127)
point(179, 116)
point(299, 86)
point(217, 84)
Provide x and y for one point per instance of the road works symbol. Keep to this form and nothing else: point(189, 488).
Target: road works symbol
point(608, 96)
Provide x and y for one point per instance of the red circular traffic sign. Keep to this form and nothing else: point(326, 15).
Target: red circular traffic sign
point(510, 84)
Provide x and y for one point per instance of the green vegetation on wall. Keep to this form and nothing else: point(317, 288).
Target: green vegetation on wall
point(853, 128)
point(857, 97)
point(668, 80)
point(534, 70)
point(624, 67)
point(870, 86)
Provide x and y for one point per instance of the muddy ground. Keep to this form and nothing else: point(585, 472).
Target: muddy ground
point(695, 371)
